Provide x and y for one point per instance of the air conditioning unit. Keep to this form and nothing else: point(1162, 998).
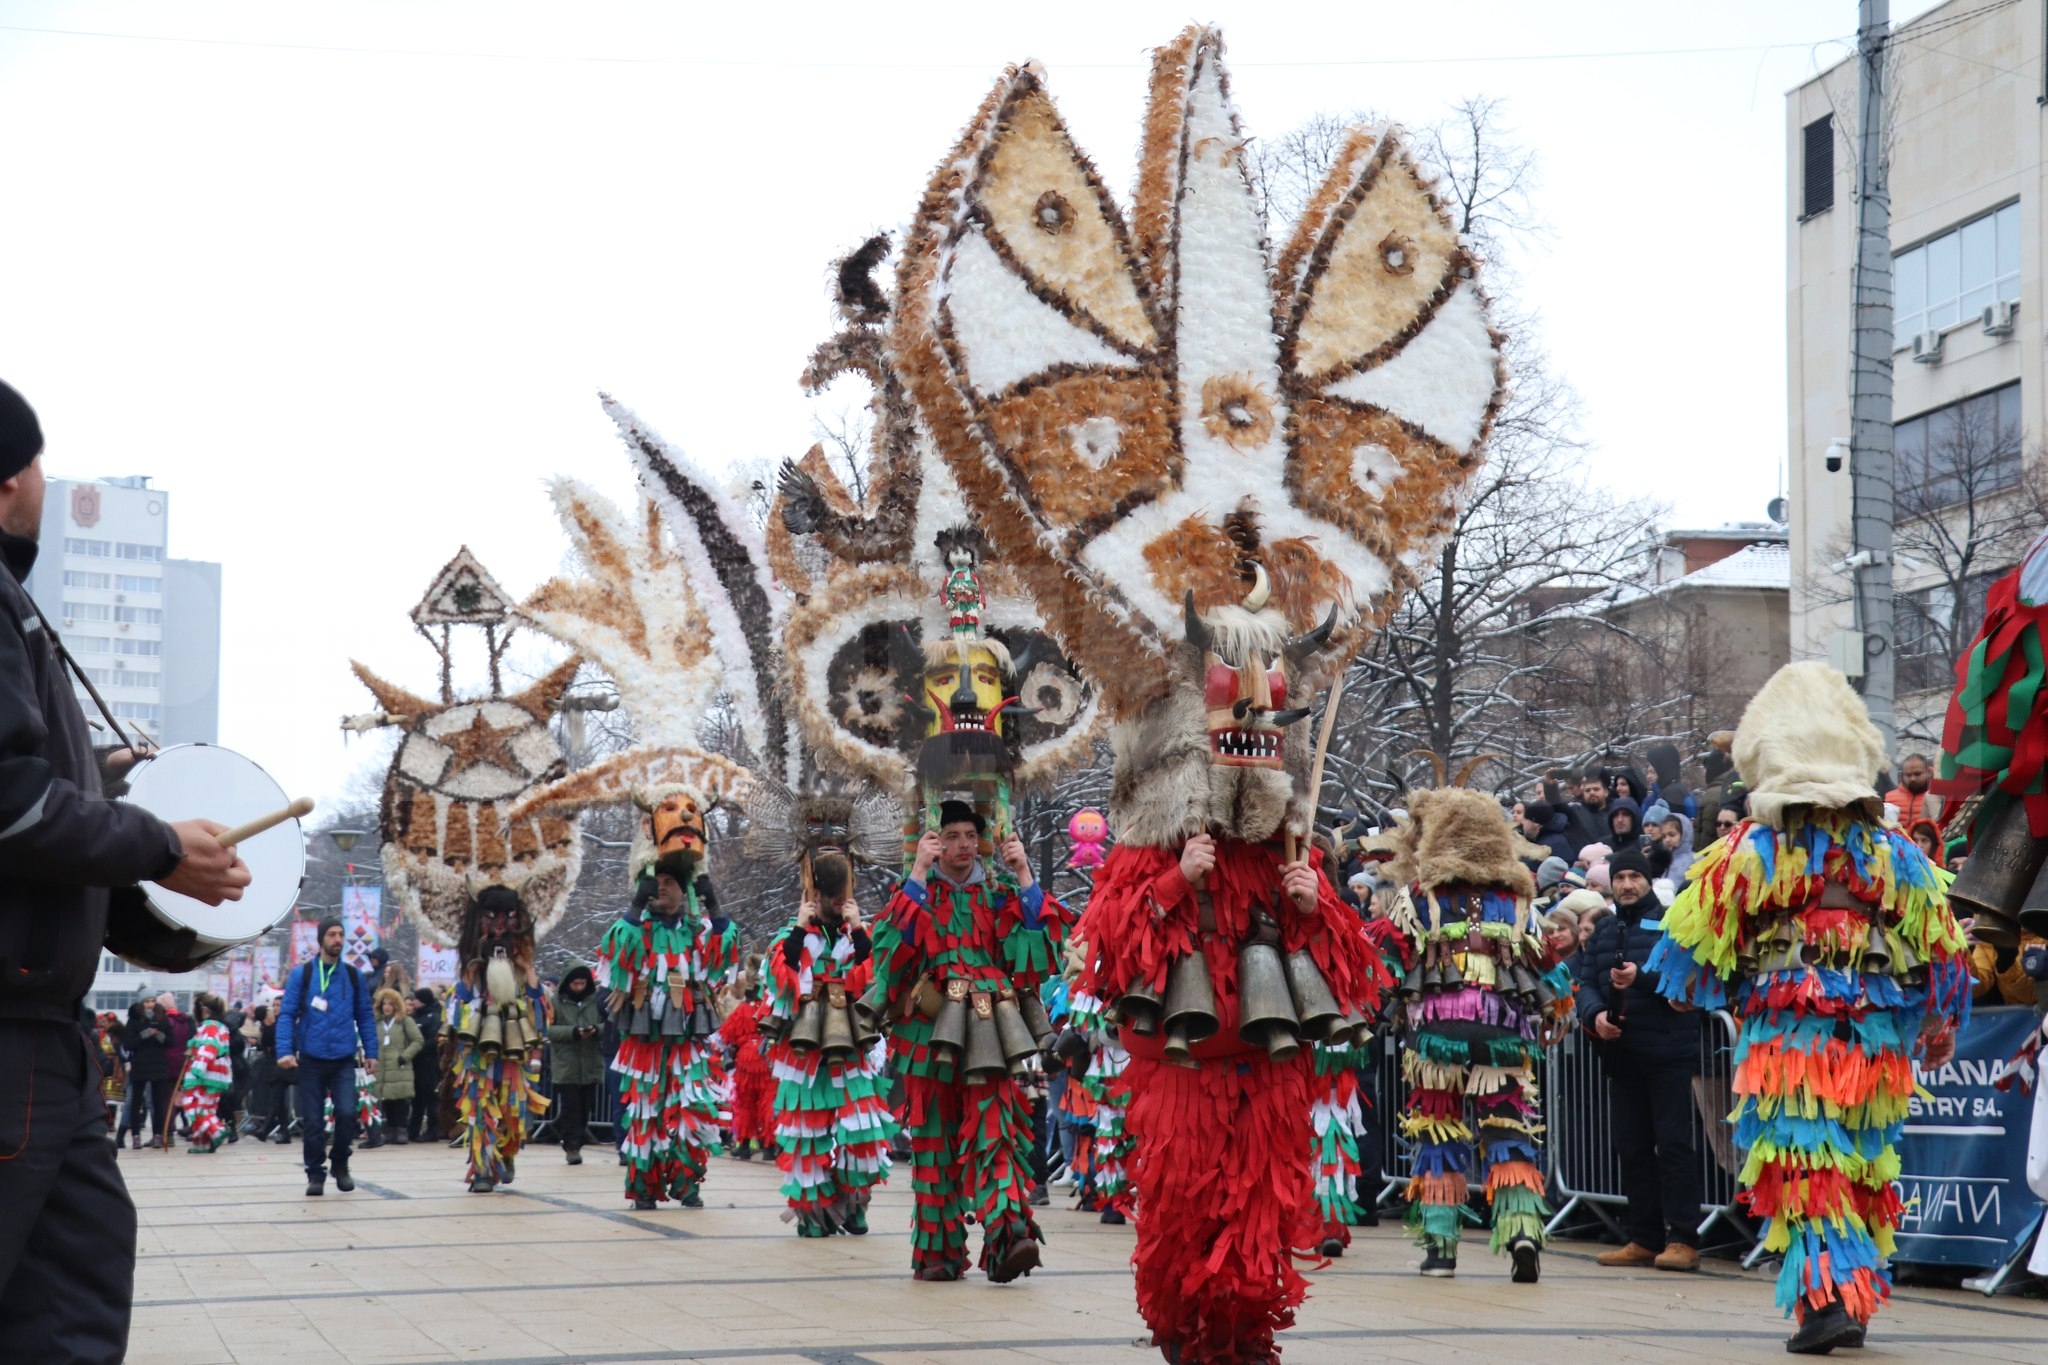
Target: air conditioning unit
point(127, 625)
point(69, 623)
point(1998, 317)
point(123, 597)
point(1927, 348)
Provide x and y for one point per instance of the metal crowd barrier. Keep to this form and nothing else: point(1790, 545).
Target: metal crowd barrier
point(602, 1114)
point(1585, 1166)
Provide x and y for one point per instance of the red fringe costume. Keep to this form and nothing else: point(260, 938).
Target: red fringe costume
point(753, 1083)
point(1223, 1151)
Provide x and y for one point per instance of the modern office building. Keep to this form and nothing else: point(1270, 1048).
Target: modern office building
point(1968, 105)
point(145, 627)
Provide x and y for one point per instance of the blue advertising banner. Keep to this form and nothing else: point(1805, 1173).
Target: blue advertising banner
point(1963, 1156)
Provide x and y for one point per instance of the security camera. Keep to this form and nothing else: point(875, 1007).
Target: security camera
point(1838, 454)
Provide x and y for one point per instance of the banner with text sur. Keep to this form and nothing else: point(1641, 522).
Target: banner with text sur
point(1963, 1158)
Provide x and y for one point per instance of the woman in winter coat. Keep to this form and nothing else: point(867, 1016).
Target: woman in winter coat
point(149, 1073)
point(398, 1043)
point(576, 1058)
point(426, 1068)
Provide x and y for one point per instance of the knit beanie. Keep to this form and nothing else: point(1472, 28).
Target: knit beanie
point(1551, 872)
point(21, 436)
point(1630, 859)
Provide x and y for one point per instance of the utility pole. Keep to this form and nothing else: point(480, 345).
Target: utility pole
point(1870, 381)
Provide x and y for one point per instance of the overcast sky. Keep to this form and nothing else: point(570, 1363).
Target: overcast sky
point(344, 278)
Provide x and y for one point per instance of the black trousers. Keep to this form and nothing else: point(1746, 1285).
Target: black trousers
point(574, 1104)
point(149, 1106)
point(426, 1084)
point(397, 1116)
point(67, 1226)
point(1653, 1135)
point(321, 1079)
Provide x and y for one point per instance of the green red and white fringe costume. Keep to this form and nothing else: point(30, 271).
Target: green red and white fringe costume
point(832, 1119)
point(1475, 1041)
point(970, 1139)
point(1222, 1147)
point(753, 1080)
point(1336, 1123)
point(675, 1086)
point(1824, 1060)
point(208, 1075)
point(1114, 1149)
point(368, 1111)
point(498, 1097)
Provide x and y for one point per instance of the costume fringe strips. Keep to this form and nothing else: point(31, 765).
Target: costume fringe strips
point(832, 1120)
point(1336, 1125)
point(1823, 1063)
point(1112, 1151)
point(675, 1089)
point(208, 1075)
point(753, 1080)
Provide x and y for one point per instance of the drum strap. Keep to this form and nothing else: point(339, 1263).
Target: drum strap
point(84, 680)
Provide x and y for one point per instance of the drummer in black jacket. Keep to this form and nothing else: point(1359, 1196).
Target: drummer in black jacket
point(1652, 1052)
point(67, 1228)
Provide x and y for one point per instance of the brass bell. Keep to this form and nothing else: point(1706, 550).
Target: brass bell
point(1546, 995)
point(490, 1036)
point(466, 1023)
point(773, 1026)
point(1190, 1014)
point(1142, 1008)
point(1035, 1017)
point(703, 1020)
point(837, 1043)
point(1523, 982)
point(870, 1008)
point(2033, 915)
point(515, 1043)
point(1908, 964)
point(985, 1059)
point(949, 1030)
point(1998, 880)
point(1315, 1004)
point(1266, 1015)
point(1434, 975)
point(807, 1034)
point(1014, 1034)
point(1411, 983)
point(675, 1023)
point(1877, 954)
point(867, 1027)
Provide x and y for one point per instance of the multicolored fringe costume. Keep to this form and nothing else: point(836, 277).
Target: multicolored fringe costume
point(970, 1138)
point(497, 1096)
point(368, 1112)
point(832, 1118)
point(753, 1081)
point(1474, 1033)
point(1113, 1150)
point(670, 969)
point(1336, 1123)
point(1833, 993)
point(1222, 1147)
point(208, 1075)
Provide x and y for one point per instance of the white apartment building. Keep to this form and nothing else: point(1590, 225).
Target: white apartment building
point(145, 627)
point(1968, 98)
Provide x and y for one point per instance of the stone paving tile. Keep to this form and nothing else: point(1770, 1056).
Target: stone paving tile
point(239, 1267)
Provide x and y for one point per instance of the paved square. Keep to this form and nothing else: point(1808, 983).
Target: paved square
point(237, 1265)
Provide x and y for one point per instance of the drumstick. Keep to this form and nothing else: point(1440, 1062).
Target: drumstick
point(296, 810)
point(1315, 771)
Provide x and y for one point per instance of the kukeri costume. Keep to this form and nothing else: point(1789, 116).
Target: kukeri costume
point(209, 1074)
point(753, 1081)
point(1830, 939)
point(469, 871)
point(1206, 490)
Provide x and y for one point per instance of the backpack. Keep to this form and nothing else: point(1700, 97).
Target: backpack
point(305, 993)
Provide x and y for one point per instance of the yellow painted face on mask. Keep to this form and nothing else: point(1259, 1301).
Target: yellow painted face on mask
point(965, 696)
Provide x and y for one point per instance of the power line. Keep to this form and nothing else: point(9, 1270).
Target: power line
point(1464, 60)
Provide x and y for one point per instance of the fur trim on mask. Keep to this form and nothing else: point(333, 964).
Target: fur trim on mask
point(1455, 836)
point(1806, 740)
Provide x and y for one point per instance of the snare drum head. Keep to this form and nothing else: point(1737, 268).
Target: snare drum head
point(207, 782)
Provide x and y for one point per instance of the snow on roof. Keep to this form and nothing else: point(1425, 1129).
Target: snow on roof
point(1765, 566)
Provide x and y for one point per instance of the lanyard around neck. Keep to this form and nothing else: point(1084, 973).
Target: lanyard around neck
point(326, 974)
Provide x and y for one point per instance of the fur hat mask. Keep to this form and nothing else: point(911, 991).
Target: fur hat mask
point(1806, 740)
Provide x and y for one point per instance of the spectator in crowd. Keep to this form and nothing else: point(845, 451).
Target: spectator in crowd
point(260, 1032)
point(576, 1058)
point(426, 1067)
point(1674, 832)
point(398, 1043)
point(2000, 978)
point(323, 1022)
point(1927, 835)
point(1597, 879)
point(1726, 818)
point(1911, 798)
point(1630, 783)
point(149, 1074)
point(182, 1028)
point(1588, 813)
point(1712, 798)
point(1666, 781)
point(1561, 932)
point(1550, 883)
point(1549, 827)
point(1595, 909)
point(1652, 1053)
point(112, 1037)
point(1589, 854)
point(1624, 824)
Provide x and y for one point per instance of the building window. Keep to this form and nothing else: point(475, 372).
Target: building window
point(130, 583)
point(1930, 632)
point(140, 616)
point(146, 648)
point(1820, 167)
point(1950, 280)
point(92, 549)
point(87, 611)
point(86, 644)
point(135, 677)
point(149, 554)
point(78, 578)
point(1959, 453)
point(135, 710)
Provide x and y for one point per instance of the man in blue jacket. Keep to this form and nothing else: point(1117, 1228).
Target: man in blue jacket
point(324, 1021)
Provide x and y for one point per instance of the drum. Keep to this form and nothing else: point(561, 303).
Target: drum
point(166, 932)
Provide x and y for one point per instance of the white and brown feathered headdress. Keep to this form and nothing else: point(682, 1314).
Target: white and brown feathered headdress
point(1146, 407)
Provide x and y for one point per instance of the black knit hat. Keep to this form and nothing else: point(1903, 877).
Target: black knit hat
point(21, 436)
point(959, 813)
point(330, 922)
point(1630, 859)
